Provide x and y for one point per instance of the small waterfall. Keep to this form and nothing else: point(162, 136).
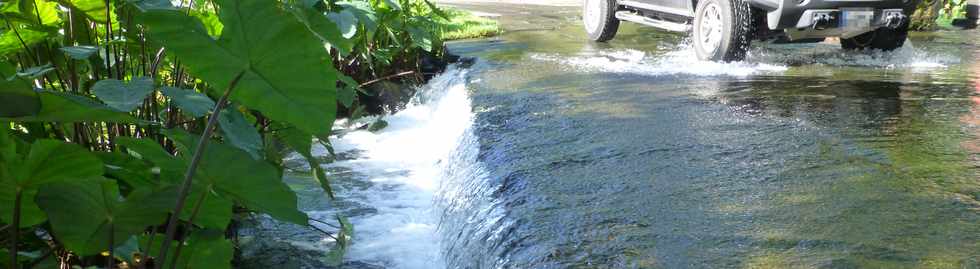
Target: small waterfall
point(411, 167)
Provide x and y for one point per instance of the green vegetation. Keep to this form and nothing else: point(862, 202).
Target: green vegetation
point(462, 24)
point(930, 14)
point(134, 132)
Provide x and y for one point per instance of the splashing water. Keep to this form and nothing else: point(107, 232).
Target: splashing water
point(907, 56)
point(404, 162)
point(680, 61)
point(763, 59)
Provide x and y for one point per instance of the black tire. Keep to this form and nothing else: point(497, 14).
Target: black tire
point(606, 24)
point(885, 39)
point(736, 19)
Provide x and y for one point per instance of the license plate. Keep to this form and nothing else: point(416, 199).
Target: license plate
point(851, 19)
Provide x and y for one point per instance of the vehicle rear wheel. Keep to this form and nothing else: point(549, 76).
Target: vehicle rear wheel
point(599, 17)
point(721, 30)
point(883, 39)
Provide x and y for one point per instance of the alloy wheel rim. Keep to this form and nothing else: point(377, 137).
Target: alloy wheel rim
point(710, 28)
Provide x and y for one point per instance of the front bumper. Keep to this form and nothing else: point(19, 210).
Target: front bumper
point(799, 14)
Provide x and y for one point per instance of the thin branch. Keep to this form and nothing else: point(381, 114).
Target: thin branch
point(328, 234)
point(191, 169)
point(386, 78)
point(324, 223)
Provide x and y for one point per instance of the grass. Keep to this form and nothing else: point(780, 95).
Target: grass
point(464, 24)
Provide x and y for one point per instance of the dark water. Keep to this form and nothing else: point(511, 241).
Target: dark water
point(632, 154)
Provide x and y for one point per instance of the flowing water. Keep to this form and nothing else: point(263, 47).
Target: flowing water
point(554, 152)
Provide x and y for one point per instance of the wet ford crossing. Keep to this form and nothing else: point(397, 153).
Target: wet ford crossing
point(551, 151)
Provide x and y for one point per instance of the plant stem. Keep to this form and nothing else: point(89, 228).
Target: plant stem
point(111, 261)
point(21, 39)
point(15, 230)
point(108, 39)
point(197, 208)
point(191, 169)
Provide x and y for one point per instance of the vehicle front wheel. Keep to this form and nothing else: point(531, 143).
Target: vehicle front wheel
point(599, 17)
point(886, 39)
point(721, 30)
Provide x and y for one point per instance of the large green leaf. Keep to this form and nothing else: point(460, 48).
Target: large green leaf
point(234, 174)
point(190, 102)
point(92, 9)
point(330, 31)
point(215, 211)
point(345, 21)
point(36, 71)
point(170, 169)
point(129, 170)
point(364, 13)
point(204, 249)
point(10, 43)
point(9, 7)
point(335, 256)
point(86, 214)
point(239, 132)
point(392, 4)
point(302, 143)
point(43, 11)
point(66, 108)
point(47, 161)
point(80, 52)
point(207, 249)
point(121, 95)
point(288, 76)
point(211, 22)
point(18, 97)
point(145, 5)
point(420, 38)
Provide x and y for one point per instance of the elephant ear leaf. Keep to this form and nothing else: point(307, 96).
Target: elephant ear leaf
point(285, 71)
point(190, 102)
point(19, 99)
point(214, 211)
point(235, 175)
point(302, 143)
point(87, 214)
point(207, 249)
point(66, 107)
point(121, 95)
point(239, 132)
point(47, 161)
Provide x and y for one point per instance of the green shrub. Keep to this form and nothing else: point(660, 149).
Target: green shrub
point(127, 125)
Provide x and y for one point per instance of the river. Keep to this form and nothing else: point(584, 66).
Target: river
point(553, 152)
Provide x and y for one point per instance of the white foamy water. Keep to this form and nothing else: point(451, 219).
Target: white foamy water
point(404, 161)
point(762, 59)
point(679, 61)
point(906, 57)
